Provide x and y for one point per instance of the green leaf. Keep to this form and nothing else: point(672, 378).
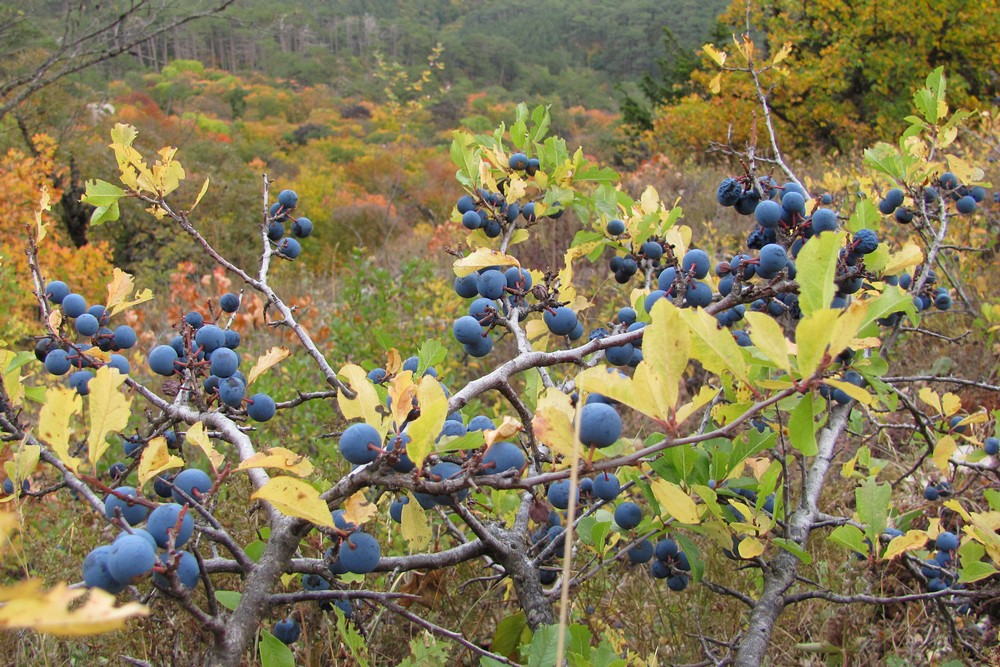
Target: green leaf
point(866, 216)
point(104, 198)
point(274, 652)
point(431, 353)
point(768, 337)
point(544, 646)
point(817, 266)
point(850, 537)
point(793, 549)
point(802, 428)
point(507, 637)
point(715, 348)
point(465, 158)
point(873, 500)
point(228, 599)
point(694, 556)
point(255, 550)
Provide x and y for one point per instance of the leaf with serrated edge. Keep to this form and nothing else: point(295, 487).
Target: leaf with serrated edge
point(553, 421)
point(509, 427)
point(196, 436)
point(108, 411)
point(480, 259)
point(415, 528)
point(273, 356)
point(768, 337)
point(279, 458)
point(677, 503)
point(366, 403)
point(425, 429)
point(294, 497)
point(59, 611)
point(61, 403)
point(156, 458)
point(358, 509)
point(928, 396)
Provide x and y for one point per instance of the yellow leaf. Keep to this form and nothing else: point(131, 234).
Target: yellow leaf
point(296, 498)
point(509, 427)
point(782, 54)
point(943, 451)
point(950, 404)
point(928, 396)
point(23, 464)
point(358, 509)
point(852, 390)
point(366, 403)
point(55, 319)
point(196, 436)
point(480, 259)
point(812, 335)
point(715, 84)
point(956, 506)
point(666, 350)
point(714, 348)
point(649, 201)
point(167, 172)
point(719, 57)
point(12, 378)
point(967, 174)
point(515, 188)
point(204, 189)
point(402, 391)
point(702, 398)
point(44, 204)
point(913, 539)
point(273, 356)
point(156, 458)
point(279, 458)
point(673, 499)
point(61, 403)
point(120, 290)
point(425, 429)
point(909, 255)
point(415, 528)
point(553, 421)
point(60, 611)
point(108, 411)
point(750, 547)
point(768, 337)
point(393, 361)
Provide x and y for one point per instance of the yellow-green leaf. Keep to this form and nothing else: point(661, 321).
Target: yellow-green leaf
point(666, 351)
point(196, 436)
point(817, 266)
point(156, 458)
point(273, 356)
point(416, 530)
point(768, 337)
point(44, 204)
point(812, 336)
point(673, 499)
point(204, 189)
point(852, 390)
point(943, 451)
point(108, 411)
point(719, 57)
point(425, 429)
point(950, 404)
point(296, 498)
point(279, 458)
point(23, 464)
point(713, 347)
point(845, 328)
point(909, 255)
point(701, 399)
point(782, 54)
point(482, 258)
point(61, 403)
point(366, 403)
